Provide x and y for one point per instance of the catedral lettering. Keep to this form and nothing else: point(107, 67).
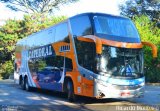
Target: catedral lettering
point(91, 54)
point(40, 52)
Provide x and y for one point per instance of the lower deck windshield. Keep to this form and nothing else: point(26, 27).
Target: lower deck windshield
point(116, 62)
point(120, 62)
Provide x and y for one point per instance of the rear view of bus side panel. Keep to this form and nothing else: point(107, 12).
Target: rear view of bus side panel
point(18, 61)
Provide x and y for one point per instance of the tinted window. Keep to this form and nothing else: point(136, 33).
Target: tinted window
point(86, 54)
point(121, 62)
point(62, 33)
point(115, 26)
point(46, 70)
point(68, 64)
point(81, 26)
point(49, 63)
point(41, 38)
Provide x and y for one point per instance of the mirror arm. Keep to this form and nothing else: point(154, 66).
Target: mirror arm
point(154, 48)
point(97, 41)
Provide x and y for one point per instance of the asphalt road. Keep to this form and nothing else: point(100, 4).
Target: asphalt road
point(13, 98)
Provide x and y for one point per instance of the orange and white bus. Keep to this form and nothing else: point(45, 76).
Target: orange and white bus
point(91, 54)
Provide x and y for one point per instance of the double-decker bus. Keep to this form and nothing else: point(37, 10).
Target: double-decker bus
point(91, 54)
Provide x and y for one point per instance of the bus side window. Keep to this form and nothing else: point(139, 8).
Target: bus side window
point(62, 33)
point(81, 26)
point(86, 54)
point(68, 64)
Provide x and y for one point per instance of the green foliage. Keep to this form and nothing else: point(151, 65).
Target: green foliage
point(147, 29)
point(15, 30)
point(149, 32)
point(37, 22)
point(132, 8)
point(6, 69)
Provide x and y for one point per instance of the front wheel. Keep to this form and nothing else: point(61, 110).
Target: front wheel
point(70, 92)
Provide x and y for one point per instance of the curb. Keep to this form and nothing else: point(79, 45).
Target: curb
point(6, 81)
point(153, 84)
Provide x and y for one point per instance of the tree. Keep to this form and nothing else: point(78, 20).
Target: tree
point(36, 6)
point(145, 14)
point(151, 8)
point(14, 30)
point(6, 69)
point(148, 32)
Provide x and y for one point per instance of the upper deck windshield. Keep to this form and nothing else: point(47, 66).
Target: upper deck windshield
point(105, 26)
point(116, 28)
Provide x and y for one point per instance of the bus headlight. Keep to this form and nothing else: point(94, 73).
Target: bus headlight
point(142, 84)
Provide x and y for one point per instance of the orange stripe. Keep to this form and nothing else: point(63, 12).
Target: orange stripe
point(98, 41)
point(121, 44)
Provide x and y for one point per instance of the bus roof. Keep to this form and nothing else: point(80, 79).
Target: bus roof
point(78, 15)
point(92, 14)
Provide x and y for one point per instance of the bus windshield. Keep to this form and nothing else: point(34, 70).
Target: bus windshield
point(120, 62)
point(115, 28)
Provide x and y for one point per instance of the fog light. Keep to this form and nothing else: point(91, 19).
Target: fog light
point(142, 84)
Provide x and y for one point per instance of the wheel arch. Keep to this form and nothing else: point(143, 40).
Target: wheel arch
point(66, 79)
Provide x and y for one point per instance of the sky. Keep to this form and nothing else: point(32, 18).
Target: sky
point(104, 6)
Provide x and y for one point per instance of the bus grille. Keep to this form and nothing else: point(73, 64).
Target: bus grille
point(124, 87)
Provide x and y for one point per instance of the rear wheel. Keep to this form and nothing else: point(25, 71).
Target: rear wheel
point(22, 83)
point(70, 92)
point(27, 87)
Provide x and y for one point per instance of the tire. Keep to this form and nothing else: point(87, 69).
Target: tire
point(27, 87)
point(70, 92)
point(22, 84)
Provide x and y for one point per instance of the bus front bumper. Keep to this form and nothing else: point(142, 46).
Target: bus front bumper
point(115, 91)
